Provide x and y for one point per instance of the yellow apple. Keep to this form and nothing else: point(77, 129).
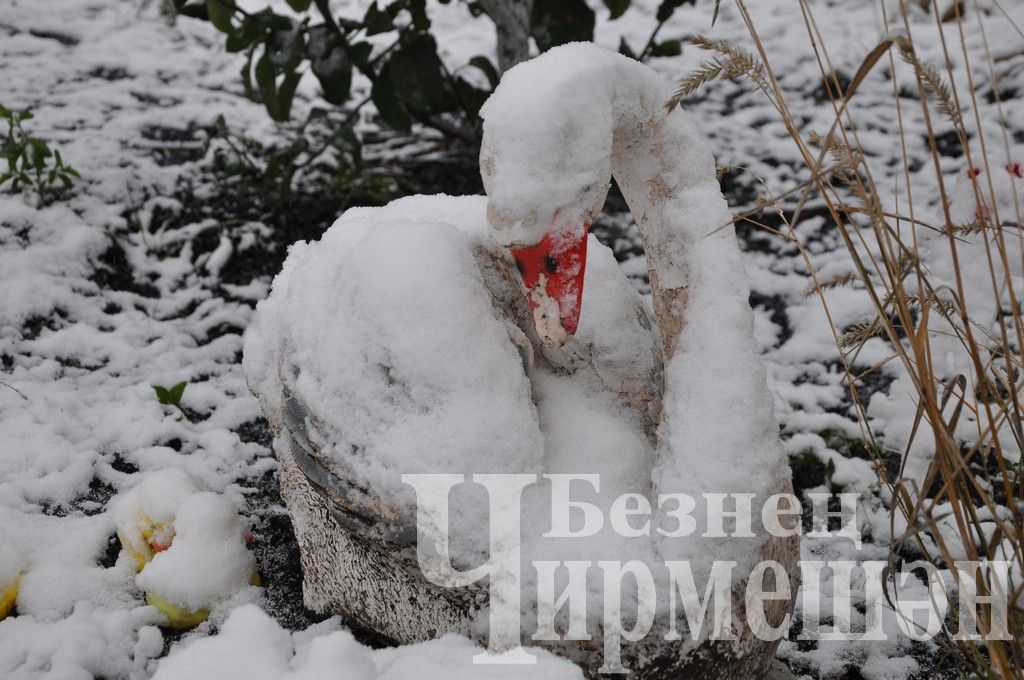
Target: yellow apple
point(177, 617)
point(181, 618)
point(8, 596)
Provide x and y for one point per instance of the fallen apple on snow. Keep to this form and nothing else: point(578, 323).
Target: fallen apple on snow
point(189, 546)
point(145, 515)
point(11, 565)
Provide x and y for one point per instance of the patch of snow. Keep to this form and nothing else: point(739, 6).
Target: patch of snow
point(252, 646)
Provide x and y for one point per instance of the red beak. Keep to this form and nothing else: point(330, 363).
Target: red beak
point(553, 270)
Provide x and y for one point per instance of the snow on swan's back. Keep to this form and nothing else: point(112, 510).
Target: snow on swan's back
point(385, 332)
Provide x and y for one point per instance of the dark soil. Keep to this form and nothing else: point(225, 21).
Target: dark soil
point(280, 568)
point(113, 272)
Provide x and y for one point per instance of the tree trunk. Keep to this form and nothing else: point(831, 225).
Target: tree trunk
point(512, 22)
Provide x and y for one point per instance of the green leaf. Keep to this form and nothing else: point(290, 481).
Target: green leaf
point(178, 391)
point(473, 97)
point(246, 74)
point(348, 25)
point(485, 65)
point(360, 53)
point(285, 47)
point(418, 10)
point(236, 43)
point(195, 12)
point(279, 22)
point(299, 5)
point(286, 93)
point(251, 30)
point(418, 76)
point(556, 22)
point(336, 84)
point(266, 83)
point(163, 395)
point(330, 64)
point(668, 7)
point(40, 152)
point(377, 21)
point(220, 12)
point(667, 48)
point(386, 100)
point(616, 7)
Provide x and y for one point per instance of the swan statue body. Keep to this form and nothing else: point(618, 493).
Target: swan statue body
point(468, 335)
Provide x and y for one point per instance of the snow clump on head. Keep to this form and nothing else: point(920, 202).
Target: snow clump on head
point(546, 150)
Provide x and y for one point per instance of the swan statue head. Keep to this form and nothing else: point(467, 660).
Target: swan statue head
point(556, 130)
point(546, 170)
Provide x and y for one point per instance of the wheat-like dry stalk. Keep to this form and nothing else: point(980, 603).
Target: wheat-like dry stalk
point(933, 81)
point(862, 331)
point(910, 308)
point(840, 281)
point(978, 226)
point(731, 62)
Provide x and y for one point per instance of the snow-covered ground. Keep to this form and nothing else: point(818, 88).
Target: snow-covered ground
point(98, 304)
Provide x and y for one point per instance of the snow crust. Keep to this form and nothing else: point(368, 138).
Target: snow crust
point(12, 560)
point(252, 646)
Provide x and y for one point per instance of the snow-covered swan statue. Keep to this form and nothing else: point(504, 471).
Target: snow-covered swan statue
point(493, 335)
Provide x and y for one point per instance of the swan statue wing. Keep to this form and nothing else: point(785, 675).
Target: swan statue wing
point(380, 352)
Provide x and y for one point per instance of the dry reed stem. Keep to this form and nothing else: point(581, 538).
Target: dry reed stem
point(912, 312)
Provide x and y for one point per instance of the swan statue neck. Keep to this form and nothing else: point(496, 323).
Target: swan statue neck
point(557, 128)
point(664, 170)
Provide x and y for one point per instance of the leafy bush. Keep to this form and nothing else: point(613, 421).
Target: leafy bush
point(409, 81)
point(30, 160)
point(320, 141)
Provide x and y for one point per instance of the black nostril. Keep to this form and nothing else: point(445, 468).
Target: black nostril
point(550, 264)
